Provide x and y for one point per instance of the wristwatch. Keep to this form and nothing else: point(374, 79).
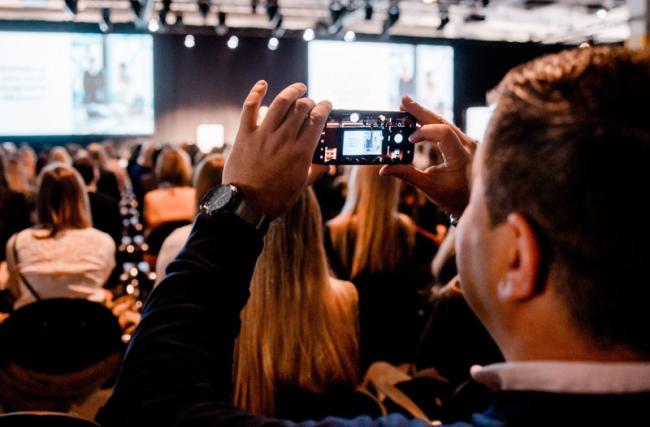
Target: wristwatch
point(228, 199)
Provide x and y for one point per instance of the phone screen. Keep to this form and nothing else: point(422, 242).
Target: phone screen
point(366, 137)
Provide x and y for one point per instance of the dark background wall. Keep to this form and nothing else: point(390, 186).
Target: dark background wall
point(209, 82)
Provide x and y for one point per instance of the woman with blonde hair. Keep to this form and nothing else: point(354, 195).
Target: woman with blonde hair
point(59, 155)
point(208, 174)
point(173, 200)
point(62, 256)
point(380, 250)
point(296, 356)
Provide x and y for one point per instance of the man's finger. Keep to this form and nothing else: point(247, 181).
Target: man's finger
point(252, 105)
point(281, 105)
point(408, 173)
point(444, 134)
point(423, 115)
point(313, 126)
point(292, 124)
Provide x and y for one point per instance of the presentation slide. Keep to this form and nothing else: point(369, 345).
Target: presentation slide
point(374, 76)
point(75, 84)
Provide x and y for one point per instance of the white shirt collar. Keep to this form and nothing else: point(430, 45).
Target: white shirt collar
point(565, 377)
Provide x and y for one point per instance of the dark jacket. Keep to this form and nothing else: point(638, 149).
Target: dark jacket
point(105, 212)
point(178, 368)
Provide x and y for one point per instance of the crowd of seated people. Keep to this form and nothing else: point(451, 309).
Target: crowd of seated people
point(325, 325)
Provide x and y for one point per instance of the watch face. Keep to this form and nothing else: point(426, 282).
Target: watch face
point(217, 199)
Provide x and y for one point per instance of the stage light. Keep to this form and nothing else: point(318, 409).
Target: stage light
point(189, 41)
point(392, 15)
point(105, 24)
point(350, 36)
point(368, 10)
point(154, 25)
point(233, 42)
point(222, 28)
point(601, 13)
point(443, 11)
point(274, 43)
point(204, 8)
point(72, 6)
point(308, 35)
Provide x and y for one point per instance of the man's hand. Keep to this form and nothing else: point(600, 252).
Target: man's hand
point(446, 184)
point(269, 162)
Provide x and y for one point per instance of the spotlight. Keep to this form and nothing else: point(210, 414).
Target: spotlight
point(154, 25)
point(350, 36)
point(105, 24)
point(274, 43)
point(601, 13)
point(136, 8)
point(308, 35)
point(443, 11)
point(222, 28)
point(72, 6)
point(369, 10)
point(271, 9)
point(337, 12)
point(189, 41)
point(392, 15)
point(204, 8)
point(233, 42)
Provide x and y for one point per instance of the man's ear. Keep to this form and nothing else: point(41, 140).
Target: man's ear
point(522, 275)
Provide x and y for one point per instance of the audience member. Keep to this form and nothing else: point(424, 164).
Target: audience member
point(14, 211)
point(59, 155)
point(207, 175)
point(303, 320)
point(104, 211)
point(107, 183)
point(381, 252)
point(62, 256)
point(174, 200)
point(28, 159)
point(563, 156)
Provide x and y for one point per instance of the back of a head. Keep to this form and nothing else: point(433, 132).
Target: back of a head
point(371, 212)
point(296, 331)
point(62, 202)
point(208, 174)
point(87, 169)
point(567, 147)
point(173, 167)
point(59, 155)
point(98, 154)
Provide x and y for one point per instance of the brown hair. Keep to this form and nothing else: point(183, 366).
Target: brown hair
point(208, 174)
point(62, 202)
point(370, 234)
point(59, 155)
point(174, 167)
point(567, 147)
point(299, 326)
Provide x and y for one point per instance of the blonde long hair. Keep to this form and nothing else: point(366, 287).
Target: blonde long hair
point(299, 326)
point(370, 234)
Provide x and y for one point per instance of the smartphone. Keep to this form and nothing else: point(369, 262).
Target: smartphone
point(366, 138)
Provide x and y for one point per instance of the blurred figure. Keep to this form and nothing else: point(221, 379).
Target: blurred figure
point(62, 256)
point(173, 200)
point(107, 183)
point(104, 210)
point(59, 155)
point(28, 159)
point(379, 249)
point(296, 356)
point(14, 211)
point(18, 179)
point(207, 175)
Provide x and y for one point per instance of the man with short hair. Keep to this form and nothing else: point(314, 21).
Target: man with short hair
point(543, 261)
